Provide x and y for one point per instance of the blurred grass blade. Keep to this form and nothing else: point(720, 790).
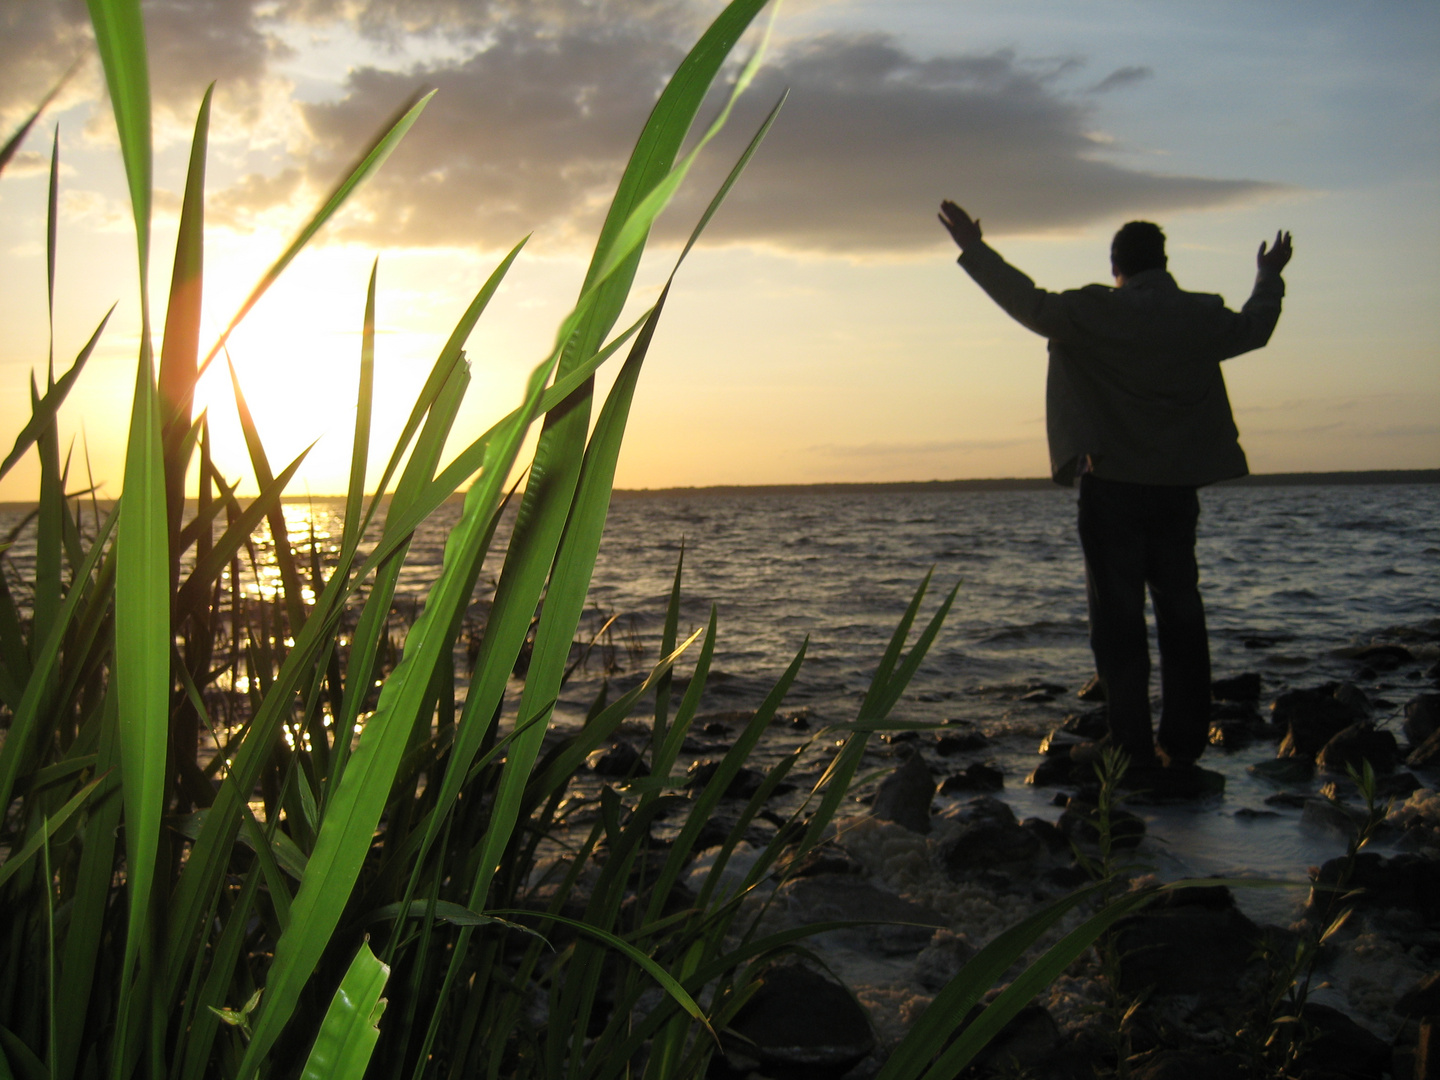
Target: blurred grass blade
point(364, 402)
point(180, 346)
point(120, 40)
point(371, 160)
point(13, 143)
point(43, 415)
point(41, 837)
point(350, 1029)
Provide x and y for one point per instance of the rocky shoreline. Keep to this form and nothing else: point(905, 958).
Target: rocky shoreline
point(1206, 982)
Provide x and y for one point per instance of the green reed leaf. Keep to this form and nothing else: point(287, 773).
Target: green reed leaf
point(180, 347)
point(13, 143)
point(120, 40)
point(41, 837)
point(42, 416)
point(350, 1029)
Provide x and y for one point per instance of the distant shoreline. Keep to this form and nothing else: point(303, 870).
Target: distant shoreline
point(1015, 483)
point(1301, 479)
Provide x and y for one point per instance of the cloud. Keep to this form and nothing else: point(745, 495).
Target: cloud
point(540, 102)
point(531, 133)
point(1125, 76)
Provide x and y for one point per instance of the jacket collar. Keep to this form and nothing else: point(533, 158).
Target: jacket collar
point(1150, 279)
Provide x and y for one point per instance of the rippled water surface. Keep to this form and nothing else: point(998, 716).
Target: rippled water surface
point(1292, 576)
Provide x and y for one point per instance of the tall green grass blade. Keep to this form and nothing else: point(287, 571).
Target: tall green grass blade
point(90, 898)
point(279, 532)
point(565, 599)
point(41, 837)
point(15, 750)
point(52, 220)
point(120, 40)
point(361, 171)
point(350, 1029)
point(364, 403)
point(43, 415)
point(13, 143)
point(18, 1059)
point(181, 344)
point(360, 795)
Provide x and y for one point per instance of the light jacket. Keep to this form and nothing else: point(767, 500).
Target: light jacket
point(1134, 379)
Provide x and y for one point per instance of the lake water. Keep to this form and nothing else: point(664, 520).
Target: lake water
point(1292, 577)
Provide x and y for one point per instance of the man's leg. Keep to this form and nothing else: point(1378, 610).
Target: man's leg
point(1114, 545)
point(1180, 625)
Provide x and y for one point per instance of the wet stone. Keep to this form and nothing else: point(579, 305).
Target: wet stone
point(1312, 718)
point(1231, 734)
point(848, 897)
point(989, 839)
point(1359, 743)
point(621, 759)
point(799, 1023)
point(1427, 754)
point(964, 742)
point(1241, 688)
point(978, 777)
point(1196, 944)
point(1283, 770)
point(1052, 772)
point(742, 785)
point(1422, 718)
point(1090, 724)
point(905, 795)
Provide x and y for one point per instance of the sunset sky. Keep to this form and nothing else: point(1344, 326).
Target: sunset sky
point(822, 331)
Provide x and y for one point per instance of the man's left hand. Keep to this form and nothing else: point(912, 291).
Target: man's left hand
point(1279, 254)
point(962, 229)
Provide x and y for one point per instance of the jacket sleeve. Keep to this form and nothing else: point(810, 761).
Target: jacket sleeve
point(1251, 326)
point(1051, 315)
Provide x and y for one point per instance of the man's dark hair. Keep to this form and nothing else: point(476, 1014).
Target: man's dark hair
point(1139, 245)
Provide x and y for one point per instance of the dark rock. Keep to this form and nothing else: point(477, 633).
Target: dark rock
point(963, 742)
point(1312, 718)
point(989, 839)
point(714, 728)
point(1238, 710)
point(1051, 772)
point(1197, 947)
point(978, 777)
point(1244, 687)
point(797, 722)
point(1093, 690)
point(1295, 800)
point(1337, 1045)
point(848, 897)
point(1256, 641)
point(905, 795)
point(1246, 813)
point(726, 719)
point(1090, 724)
point(1080, 825)
point(1422, 718)
point(799, 1024)
point(1358, 743)
point(1427, 754)
point(1159, 786)
point(826, 859)
point(1284, 770)
point(742, 785)
point(942, 959)
point(1050, 837)
point(1038, 696)
point(899, 738)
point(1190, 1065)
point(1328, 816)
point(1383, 657)
point(1231, 734)
point(1406, 881)
point(619, 759)
point(1422, 999)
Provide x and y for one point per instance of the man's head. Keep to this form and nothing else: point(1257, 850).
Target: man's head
point(1139, 245)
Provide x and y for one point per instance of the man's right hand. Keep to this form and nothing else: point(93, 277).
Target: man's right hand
point(964, 231)
point(1275, 259)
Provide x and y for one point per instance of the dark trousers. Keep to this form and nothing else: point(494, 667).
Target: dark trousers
point(1135, 535)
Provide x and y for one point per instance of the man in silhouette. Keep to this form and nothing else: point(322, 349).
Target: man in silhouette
point(1136, 409)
